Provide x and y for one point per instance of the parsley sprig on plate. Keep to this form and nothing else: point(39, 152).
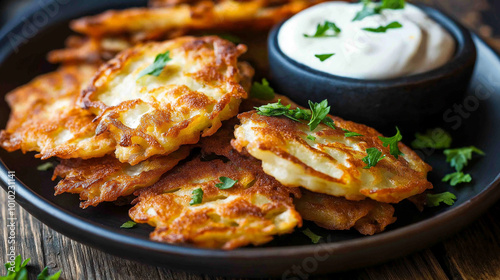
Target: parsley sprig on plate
point(19, 271)
point(156, 68)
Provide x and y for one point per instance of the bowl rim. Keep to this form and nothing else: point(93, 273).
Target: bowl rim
point(465, 55)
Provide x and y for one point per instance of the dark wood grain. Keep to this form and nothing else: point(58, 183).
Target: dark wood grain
point(473, 253)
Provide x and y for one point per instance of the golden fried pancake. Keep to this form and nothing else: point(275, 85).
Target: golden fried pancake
point(337, 213)
point(332, 163)
point(45, 117)
point(148, 115)
point(251, 212)
point(107, 179)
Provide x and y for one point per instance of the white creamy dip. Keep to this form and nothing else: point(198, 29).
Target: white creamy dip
point(419, 45)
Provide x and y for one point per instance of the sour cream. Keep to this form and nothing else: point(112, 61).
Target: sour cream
point(418, 46)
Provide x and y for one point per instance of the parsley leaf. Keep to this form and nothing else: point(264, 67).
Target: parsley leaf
point(262, 90)
point(313, 236)
point(197, 197)
point(310, 137)
point(372, 158)
point(18, 271)
point(44, 275)
point(350, 133)
point(457, 178)
point(323, 57)
point(322, 29)
point(319, 112)
point(329, 122)
point(370, 8)
point(436, 138)
point(45, 166)
point(435, 199)
point(227, 183)
point(383, 29)
point(129, 224)
point(157, 67)
point(392, 142)
point(460, 157)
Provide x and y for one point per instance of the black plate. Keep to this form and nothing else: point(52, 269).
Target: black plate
point(100, 227)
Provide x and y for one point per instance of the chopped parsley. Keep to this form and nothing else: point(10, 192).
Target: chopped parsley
point(197, 197)
point(310, 137)
point(227, 183)
point(434, 200)
point(392, 142)
point(383, 29)
point(313, 236)
point(459, 158)
point(157, 67)
point(322, 30)
point(457, 178)
point(45, 166)
point(317, 114)
point(323, 57)
point(436, 138)
point(370, 8)
point(372, 158)
point(19, 271)
point(262, 90)
point(348, 133)
point(129, 224)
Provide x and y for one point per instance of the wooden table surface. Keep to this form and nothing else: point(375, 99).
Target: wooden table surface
point(473, 253)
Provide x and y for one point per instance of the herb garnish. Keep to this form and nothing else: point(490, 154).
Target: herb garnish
point(322, 29)
point(435, 199)
point(348, 133)
point(383, 29)
point(460, 157)
point(310, 137)
point(227, 183)
point(323, 57)
point(392, 142)
point(370, 8)
point(313, 236)
point(45, 166)
point(197, 197)
point(436, 138)
point(372, 158)
point(262, 90)
point(157, 66)
point(317, 114)
point(19, 271)
point(457, 178)
point(129, 224)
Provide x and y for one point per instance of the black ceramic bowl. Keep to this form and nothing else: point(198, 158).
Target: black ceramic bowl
point(409, 100)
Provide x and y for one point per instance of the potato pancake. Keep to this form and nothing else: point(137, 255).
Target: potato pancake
point(151, 115)
point(106, 179)
point(45, 117)
point(331, 163)
point(337, 213)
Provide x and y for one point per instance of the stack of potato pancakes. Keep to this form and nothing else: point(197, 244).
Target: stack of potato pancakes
point(137, 108)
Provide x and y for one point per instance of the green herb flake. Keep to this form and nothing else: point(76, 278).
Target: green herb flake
point(262, 90)
point(45, 166)
point(310, 137)
point(197, 197)
point(322, 30)
point(436, 138)
point(457, 178)
point(314, 237)
point(129, 224)
point(227, 183)
point(383, 29)
point(319, 112)
point(393, 4)
point(348, 133)
point(158, 65)
point(370, 8)
point(323, 57)
point(434, 200)
point(459, 158)
point(44, 275)
point(372, 158)
point(392, 142)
